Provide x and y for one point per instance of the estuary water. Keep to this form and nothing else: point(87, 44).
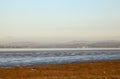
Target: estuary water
point(43, 56)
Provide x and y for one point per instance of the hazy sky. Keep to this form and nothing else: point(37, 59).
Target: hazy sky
point(60, 20)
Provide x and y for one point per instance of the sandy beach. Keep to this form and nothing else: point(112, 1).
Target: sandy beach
point(84, 70)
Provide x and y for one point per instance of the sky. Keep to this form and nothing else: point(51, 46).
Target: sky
point(59, 20)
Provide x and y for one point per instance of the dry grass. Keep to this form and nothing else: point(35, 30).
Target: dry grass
point(90, 70)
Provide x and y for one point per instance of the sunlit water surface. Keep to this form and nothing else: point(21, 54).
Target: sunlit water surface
point(23, 57)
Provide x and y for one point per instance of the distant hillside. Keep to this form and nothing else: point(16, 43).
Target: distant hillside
point(72, 44)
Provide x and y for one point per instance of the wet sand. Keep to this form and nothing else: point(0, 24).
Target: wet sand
point(86, 70)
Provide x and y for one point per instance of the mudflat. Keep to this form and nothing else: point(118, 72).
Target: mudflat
point(84, 70)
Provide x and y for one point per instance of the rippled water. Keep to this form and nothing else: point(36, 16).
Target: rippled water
point(20, 57)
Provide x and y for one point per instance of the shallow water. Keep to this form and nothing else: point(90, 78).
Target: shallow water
point(22, 57)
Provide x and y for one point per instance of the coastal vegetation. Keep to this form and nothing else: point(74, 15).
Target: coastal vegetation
point(84, 70)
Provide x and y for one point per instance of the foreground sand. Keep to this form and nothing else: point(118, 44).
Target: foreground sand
point(89, 70)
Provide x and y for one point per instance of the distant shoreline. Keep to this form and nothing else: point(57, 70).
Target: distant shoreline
point(27, 49)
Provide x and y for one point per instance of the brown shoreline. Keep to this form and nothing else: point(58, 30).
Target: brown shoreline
point(84, 70)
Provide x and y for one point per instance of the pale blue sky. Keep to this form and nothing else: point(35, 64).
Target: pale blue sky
point(60, 20)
